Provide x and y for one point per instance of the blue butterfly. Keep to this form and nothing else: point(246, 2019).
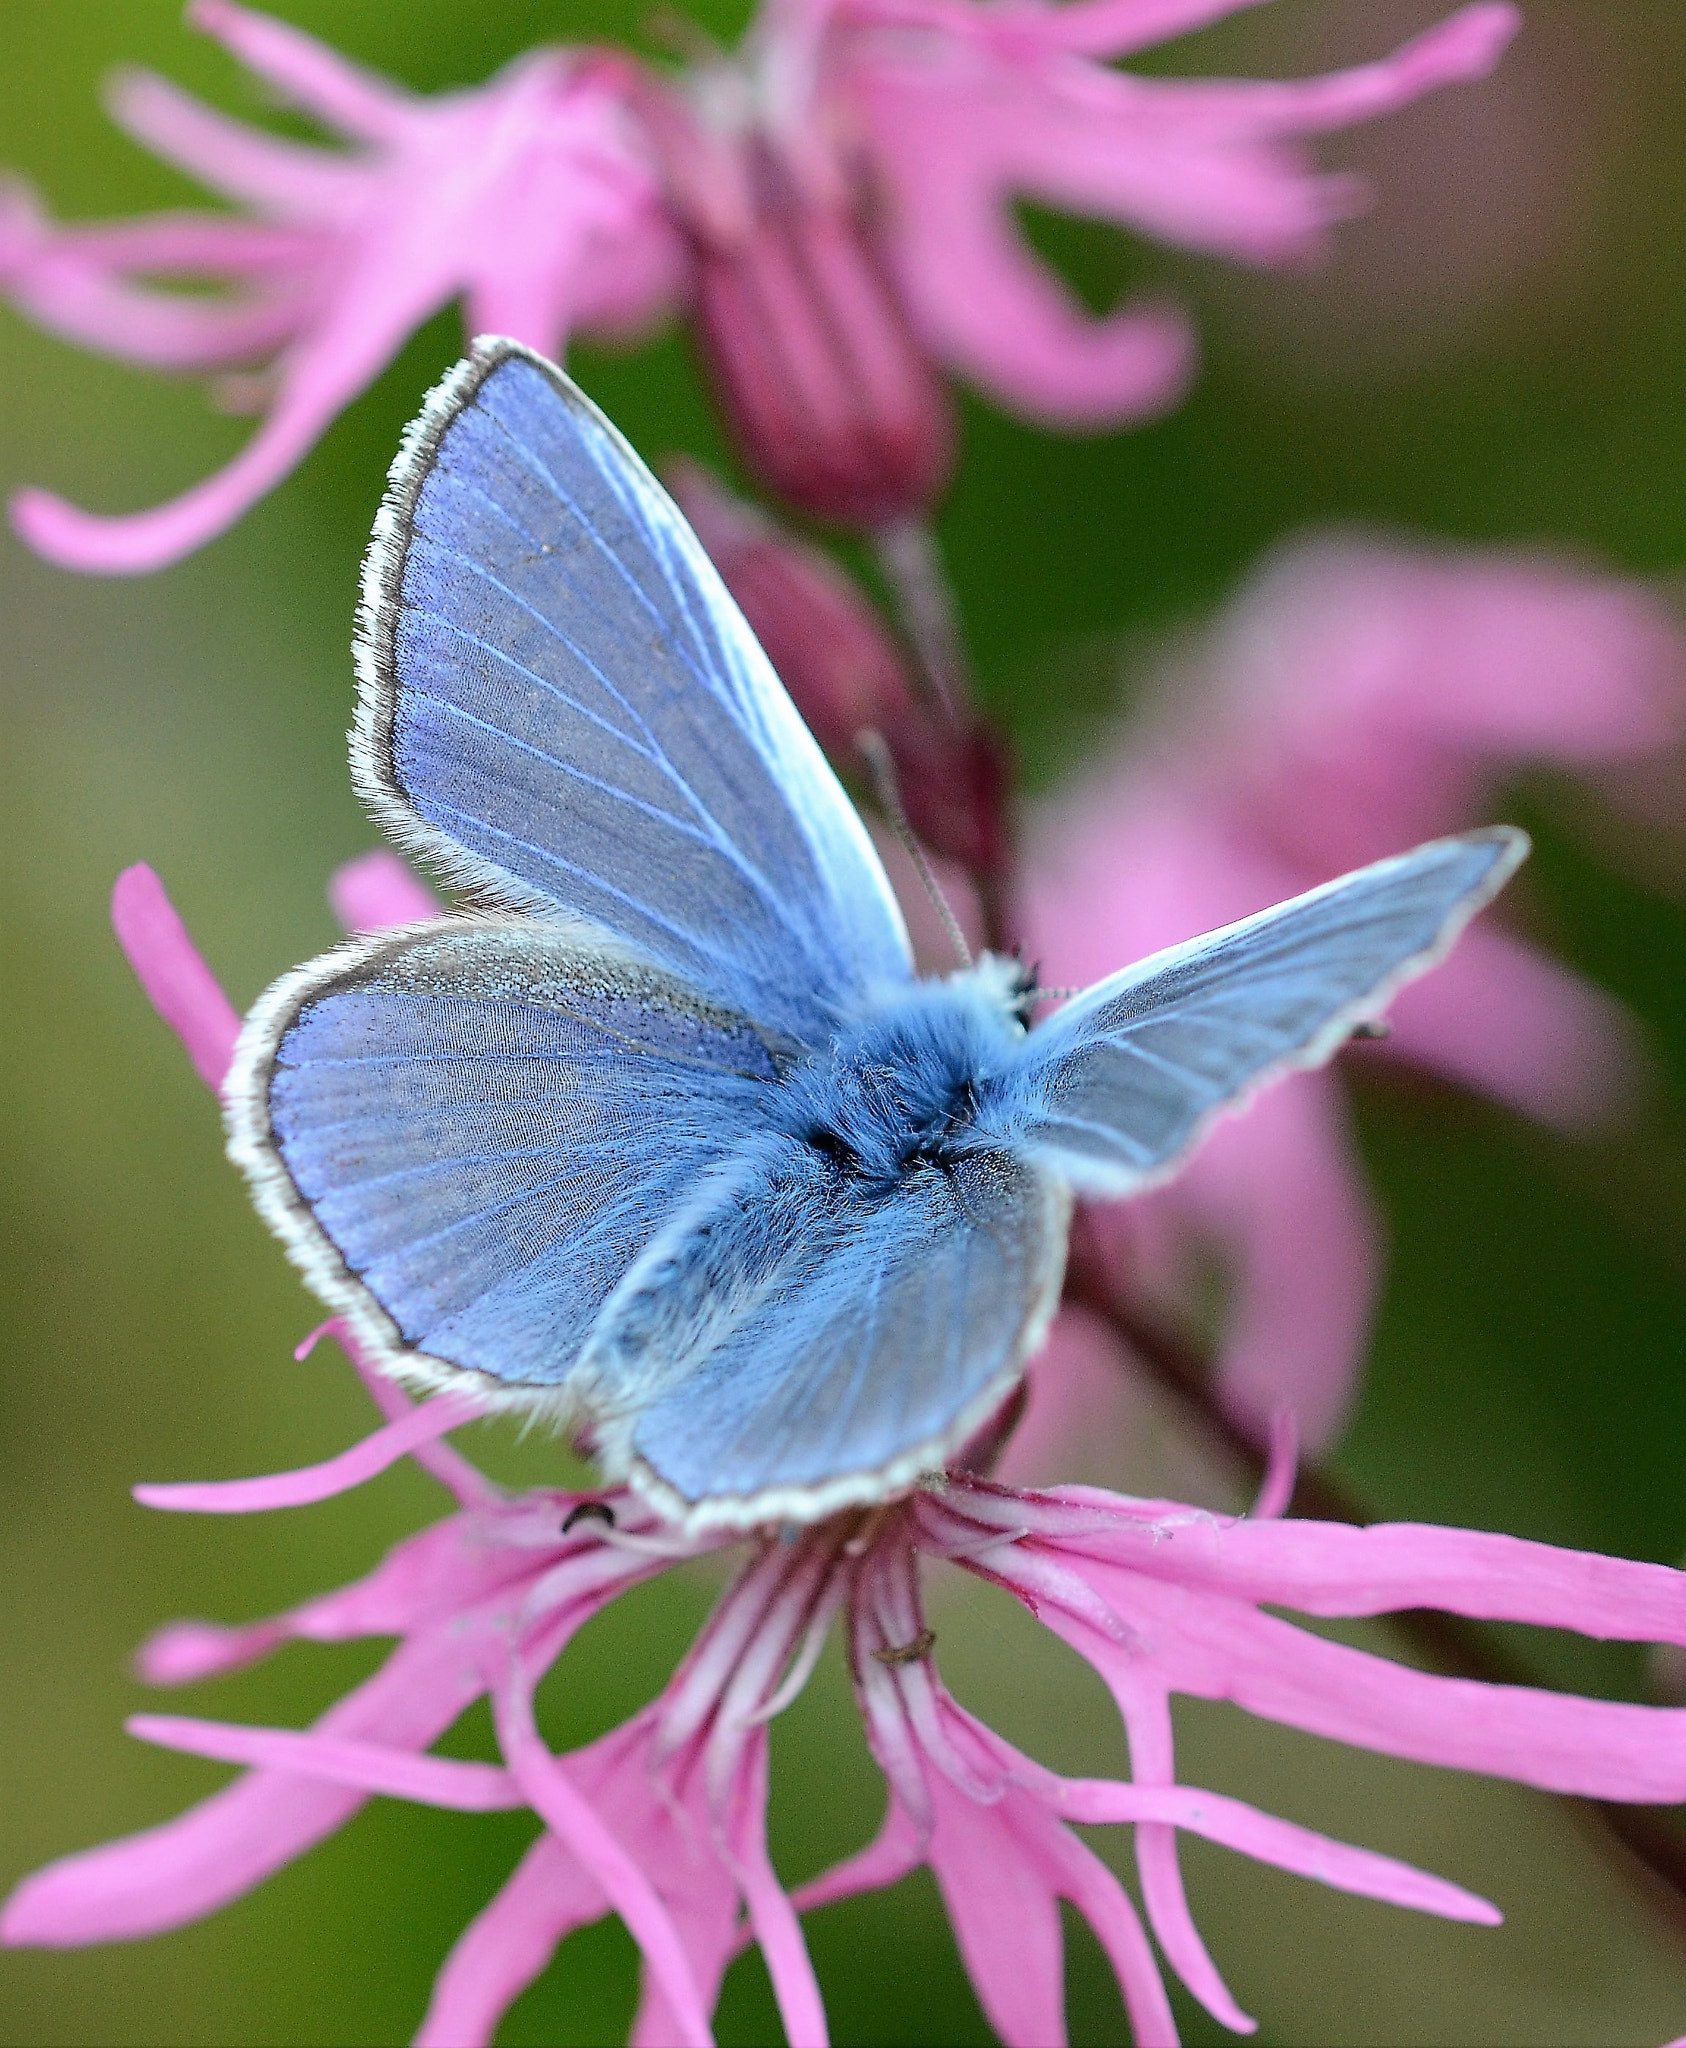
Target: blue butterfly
point(661, 1137)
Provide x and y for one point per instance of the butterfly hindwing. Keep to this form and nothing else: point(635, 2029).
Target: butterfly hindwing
point(467, 1131)
point(808, 1342)
point(1116, 1088)
point(563, 708)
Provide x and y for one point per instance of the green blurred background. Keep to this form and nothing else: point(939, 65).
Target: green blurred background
point(1498, 352)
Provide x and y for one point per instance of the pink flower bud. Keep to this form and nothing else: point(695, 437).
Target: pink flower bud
point(833, 403)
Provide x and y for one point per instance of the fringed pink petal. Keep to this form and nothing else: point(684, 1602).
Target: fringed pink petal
point(1148, 1723)
point(360, 104)
point(181, 988)
point(1119, 28)
point(185, 1652)
point(1268, 1840)
point(171, 1875)
point(377, 891)
point(1330, 1568)
point(1282, 1468)
point(97, 284)
point(1035, 1857)
point(318, 377)
point(1005, 1918)
point(1462, 48)
point(576, 1823)
point(1092, 1888)
point(298, 183)
point(508, 1945)
point(312, 1483)
point(1282, 1192)
point(1219, 1649)
point(985, 305)
point(367, 1766)
point(469, 1487)
point(886, 1860)
point(777, 1928)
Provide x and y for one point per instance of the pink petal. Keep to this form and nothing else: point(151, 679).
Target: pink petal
point(1148, 1724)
point(1086, 1881)
point(369, 1767)
point(181, 987)
point(359, 103)
point(1463, 47)
point(377, 891)
point(1329, 1568)
point(1500, 1017)
point(1359, 694)
point(93, 284)
point(1005, 1918)
point(1276, 1488)
point(1082, 1390)
point(319, 1482)
point(469, 1487)
point(185, 1652)
point(553, 1796)
point(319, 376)
point(1118, 28)
point(1268, 1840)
point(294, 182)
point(885, 1860)
point(1046, 1853)
point(1219, 1649)
point(777, 1929)
point(508, 1946)
point(1282, 1192)
point(984, 304)
point(168, 1876)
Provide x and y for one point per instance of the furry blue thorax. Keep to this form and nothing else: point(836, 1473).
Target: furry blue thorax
point(900, 1087)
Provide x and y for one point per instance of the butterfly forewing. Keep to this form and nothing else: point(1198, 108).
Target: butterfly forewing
point(1117, 1087)
point(563, 708)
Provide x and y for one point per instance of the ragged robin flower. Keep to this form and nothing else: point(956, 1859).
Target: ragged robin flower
point(832, 205)
point(663, 1820)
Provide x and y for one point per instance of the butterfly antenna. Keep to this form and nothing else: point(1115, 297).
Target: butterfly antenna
point(874, 751)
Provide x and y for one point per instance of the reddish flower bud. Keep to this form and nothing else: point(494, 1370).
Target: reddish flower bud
point(834, 405)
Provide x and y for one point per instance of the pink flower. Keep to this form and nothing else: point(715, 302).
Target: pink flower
point(530, 198)
point(1355, 697)
point(838, 195)
point(965, 108)
point(663, 1820)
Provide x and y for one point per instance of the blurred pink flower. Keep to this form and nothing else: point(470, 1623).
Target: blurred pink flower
point(837, 197)
point(1354, 698)
point(966, 108)
point(528, 197)
point(663, 1820)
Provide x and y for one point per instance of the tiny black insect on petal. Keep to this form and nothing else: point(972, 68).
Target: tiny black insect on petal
point(588, 1511)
